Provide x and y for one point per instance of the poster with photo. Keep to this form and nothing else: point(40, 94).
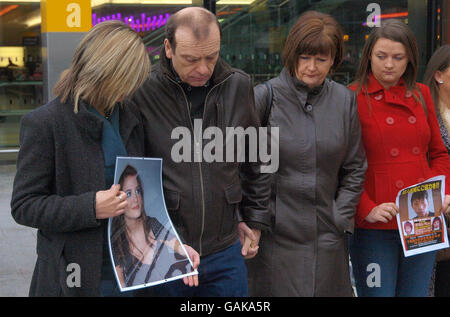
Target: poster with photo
point(421, 224)
point(144, 247)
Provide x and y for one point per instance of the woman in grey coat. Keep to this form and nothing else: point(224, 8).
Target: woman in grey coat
point(321, 168)
point(65, 169)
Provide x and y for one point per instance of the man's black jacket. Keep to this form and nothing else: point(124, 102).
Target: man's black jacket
point(205, 200)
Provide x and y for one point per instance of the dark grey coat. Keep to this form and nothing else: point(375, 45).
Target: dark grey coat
point(314, 192)
point(59, 170)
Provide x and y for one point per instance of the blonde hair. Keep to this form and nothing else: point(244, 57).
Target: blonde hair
point(110, 64)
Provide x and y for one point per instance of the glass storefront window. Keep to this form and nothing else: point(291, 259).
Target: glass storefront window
point(148, 20)
point(20, 66)
point(21, 76)
point(254, 32)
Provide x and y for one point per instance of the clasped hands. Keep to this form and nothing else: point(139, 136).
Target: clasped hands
point(249, 240)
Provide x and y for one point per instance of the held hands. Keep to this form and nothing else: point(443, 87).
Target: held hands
point(384, 212)
point(249, 240)
point(110, 203)
point(192, 280)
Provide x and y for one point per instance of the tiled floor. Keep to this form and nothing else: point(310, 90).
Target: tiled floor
point(17, 243)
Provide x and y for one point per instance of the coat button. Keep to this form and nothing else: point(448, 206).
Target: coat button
point(408, 94)
point(412, 119)
point(416, 150)
point(399, 184)
point(395, 152)
point(309, 108)
point(379, 97)
point(390, 120)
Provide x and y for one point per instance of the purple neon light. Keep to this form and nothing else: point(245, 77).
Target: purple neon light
point(148, 22)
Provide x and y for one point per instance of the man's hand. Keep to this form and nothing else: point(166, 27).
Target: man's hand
point(192, 280)
point(249, 240)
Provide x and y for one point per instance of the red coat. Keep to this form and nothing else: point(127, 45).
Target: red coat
point(397, 134)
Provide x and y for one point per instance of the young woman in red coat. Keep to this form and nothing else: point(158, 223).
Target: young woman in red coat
point(403, 144)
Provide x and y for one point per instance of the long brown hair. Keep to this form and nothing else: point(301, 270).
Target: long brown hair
point(119, 234)
point(396, 31)
point(313, 33)
point(440, 61)
point(110, 63)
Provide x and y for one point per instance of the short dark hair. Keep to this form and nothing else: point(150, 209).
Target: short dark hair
point(198, 21)
point(418, 196)
point(313, 33)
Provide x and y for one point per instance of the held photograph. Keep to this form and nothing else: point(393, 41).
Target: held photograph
point(420, 221)
point(144, 246)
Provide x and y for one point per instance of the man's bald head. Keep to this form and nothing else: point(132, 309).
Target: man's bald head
point(198, 20)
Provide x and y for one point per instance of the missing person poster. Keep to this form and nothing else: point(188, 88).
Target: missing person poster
point(145, 248)
point(420, 222)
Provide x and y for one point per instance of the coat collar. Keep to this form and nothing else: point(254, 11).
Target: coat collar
point(394, 95)
point(301, 90)
point(221, 71)
point(374, 86)
point(92, 125)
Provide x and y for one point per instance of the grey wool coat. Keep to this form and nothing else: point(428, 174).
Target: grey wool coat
point(59, 170)
point(315, 191)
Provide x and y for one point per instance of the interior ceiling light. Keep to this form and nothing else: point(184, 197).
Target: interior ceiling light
point(8, 9)
point(21, 1)
point(97, 3)
point(235, 2)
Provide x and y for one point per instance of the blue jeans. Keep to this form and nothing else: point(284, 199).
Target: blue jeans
point(222, 274)
point(381, 269)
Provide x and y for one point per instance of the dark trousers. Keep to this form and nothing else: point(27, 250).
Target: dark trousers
point(222, 274)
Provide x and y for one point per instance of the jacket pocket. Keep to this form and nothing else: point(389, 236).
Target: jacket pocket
point(228, 223)
point(50, 279)
point(342, 224)
point(172, 200)
point(49, 249)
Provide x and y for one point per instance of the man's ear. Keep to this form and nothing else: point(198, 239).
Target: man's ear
point(168, 49)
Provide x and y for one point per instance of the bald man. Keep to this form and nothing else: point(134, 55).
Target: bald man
point(219, 207)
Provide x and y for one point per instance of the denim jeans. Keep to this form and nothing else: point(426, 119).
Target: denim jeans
point(381, 269)
point(108, 284)
point(222, 274)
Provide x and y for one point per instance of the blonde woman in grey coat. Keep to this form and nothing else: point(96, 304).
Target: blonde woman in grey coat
point(321, 168)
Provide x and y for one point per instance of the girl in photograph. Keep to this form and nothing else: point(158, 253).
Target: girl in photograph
point(143, 250)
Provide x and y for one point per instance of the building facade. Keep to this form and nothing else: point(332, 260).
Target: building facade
point(254, 32)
